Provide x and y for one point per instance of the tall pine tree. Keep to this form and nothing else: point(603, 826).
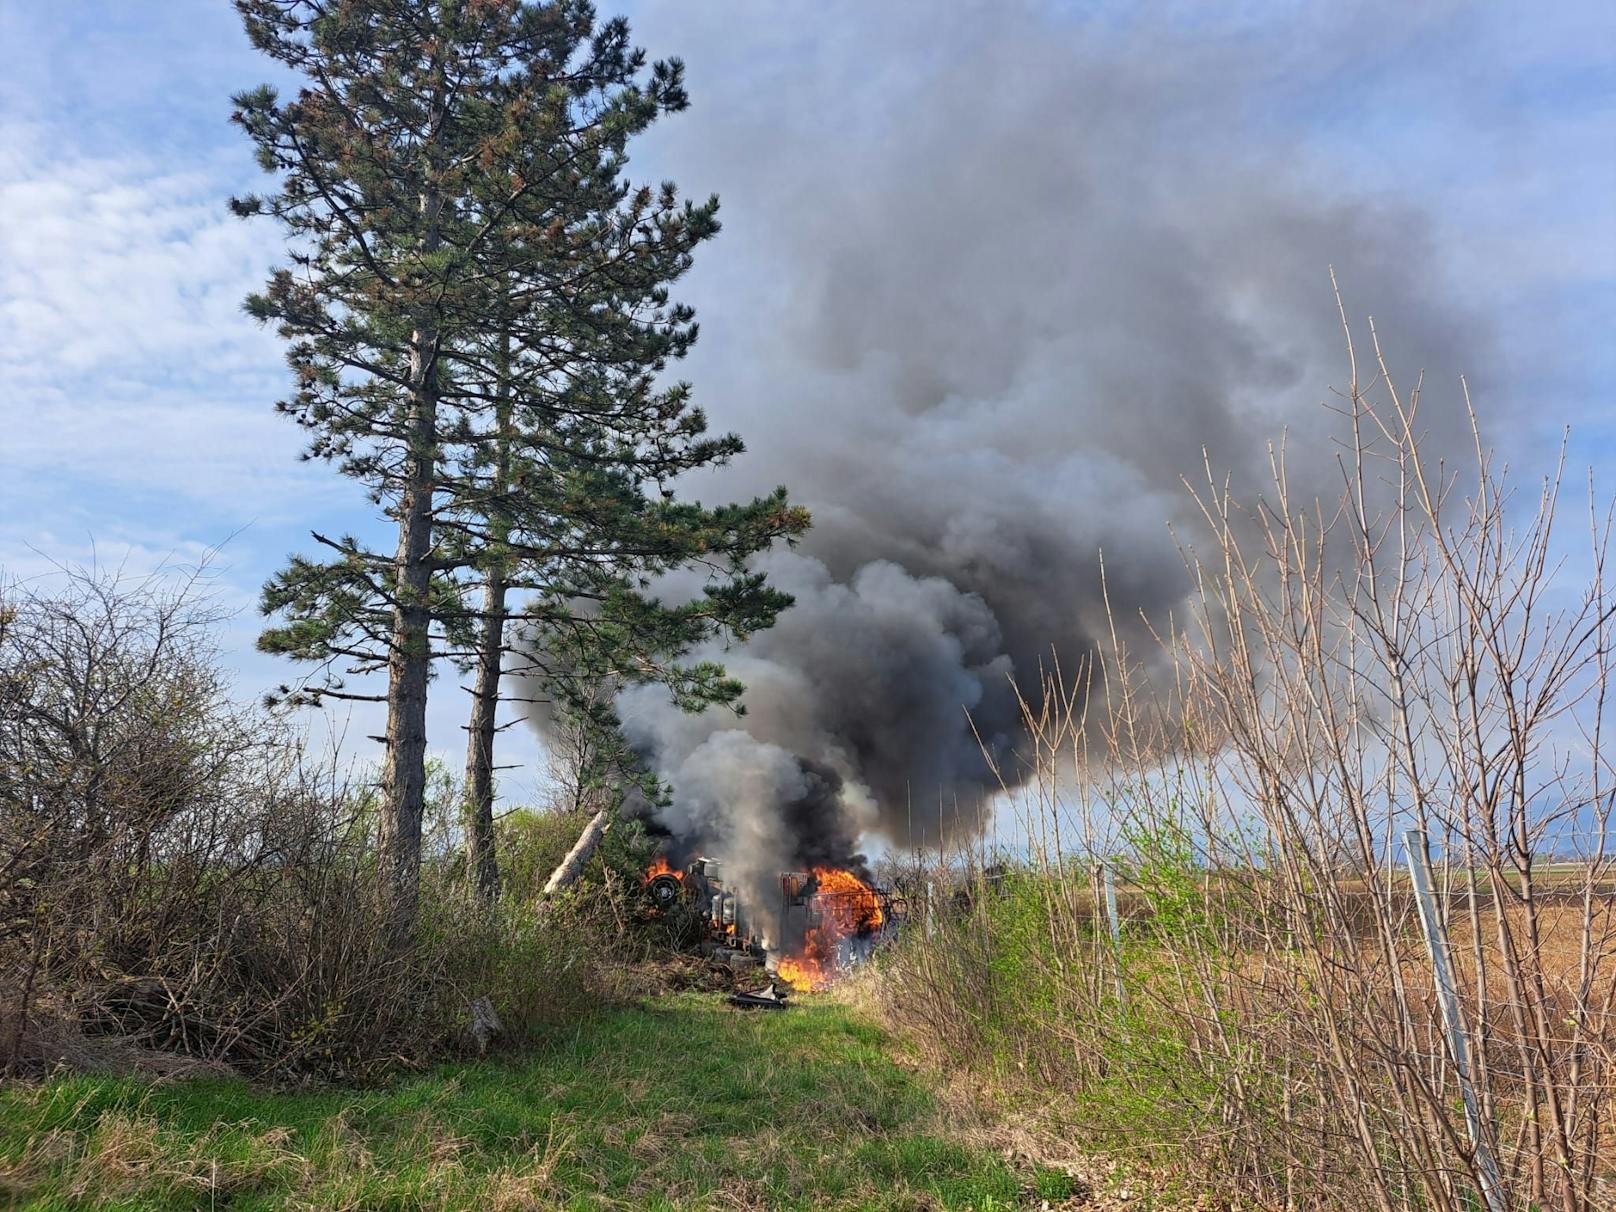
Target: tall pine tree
point(477, 311)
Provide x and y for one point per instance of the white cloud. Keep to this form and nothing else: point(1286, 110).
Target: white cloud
point(129, 364)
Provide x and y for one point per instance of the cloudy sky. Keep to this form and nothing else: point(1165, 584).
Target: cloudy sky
point(870, 159)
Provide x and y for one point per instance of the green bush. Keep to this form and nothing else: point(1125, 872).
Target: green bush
point(1020, 985)
point(536, 962)
point(530, 844)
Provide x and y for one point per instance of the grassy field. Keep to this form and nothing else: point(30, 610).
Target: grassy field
point(683, 1103)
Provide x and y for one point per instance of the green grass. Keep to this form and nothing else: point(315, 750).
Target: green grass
point(680, 1104)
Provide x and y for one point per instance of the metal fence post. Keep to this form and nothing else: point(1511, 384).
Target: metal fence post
point(1116, 928)
point(1436, 943)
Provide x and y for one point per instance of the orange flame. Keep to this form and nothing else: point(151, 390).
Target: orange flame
point(805, 971)
point(848, 906)
point(660, 866)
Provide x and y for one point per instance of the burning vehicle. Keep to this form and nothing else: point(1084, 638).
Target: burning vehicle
point(831, 921)
point(700, 888)
point(826, 921)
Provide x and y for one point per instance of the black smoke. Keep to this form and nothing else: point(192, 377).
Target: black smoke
point(996, 281)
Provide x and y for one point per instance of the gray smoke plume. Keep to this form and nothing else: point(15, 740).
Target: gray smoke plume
point(994, 282)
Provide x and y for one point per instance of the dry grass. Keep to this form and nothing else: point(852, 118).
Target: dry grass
point(1402, 658)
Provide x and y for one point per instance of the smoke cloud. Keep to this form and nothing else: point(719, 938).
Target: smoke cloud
point(995, 281)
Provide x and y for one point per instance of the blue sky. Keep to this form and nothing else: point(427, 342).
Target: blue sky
point(138, 422)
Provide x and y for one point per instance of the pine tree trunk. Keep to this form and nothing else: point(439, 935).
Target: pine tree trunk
point(482, 860)
point(409, 659)
point(408, 664)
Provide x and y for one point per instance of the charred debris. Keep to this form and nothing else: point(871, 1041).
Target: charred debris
point(822, 924)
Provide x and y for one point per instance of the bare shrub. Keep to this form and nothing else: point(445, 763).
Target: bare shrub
point(180, 872)
point(1406, 656)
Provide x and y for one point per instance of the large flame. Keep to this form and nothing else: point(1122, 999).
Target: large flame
point(848, 907)
point(660, 866)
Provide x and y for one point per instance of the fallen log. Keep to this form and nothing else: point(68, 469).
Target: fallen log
point(571, 867)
